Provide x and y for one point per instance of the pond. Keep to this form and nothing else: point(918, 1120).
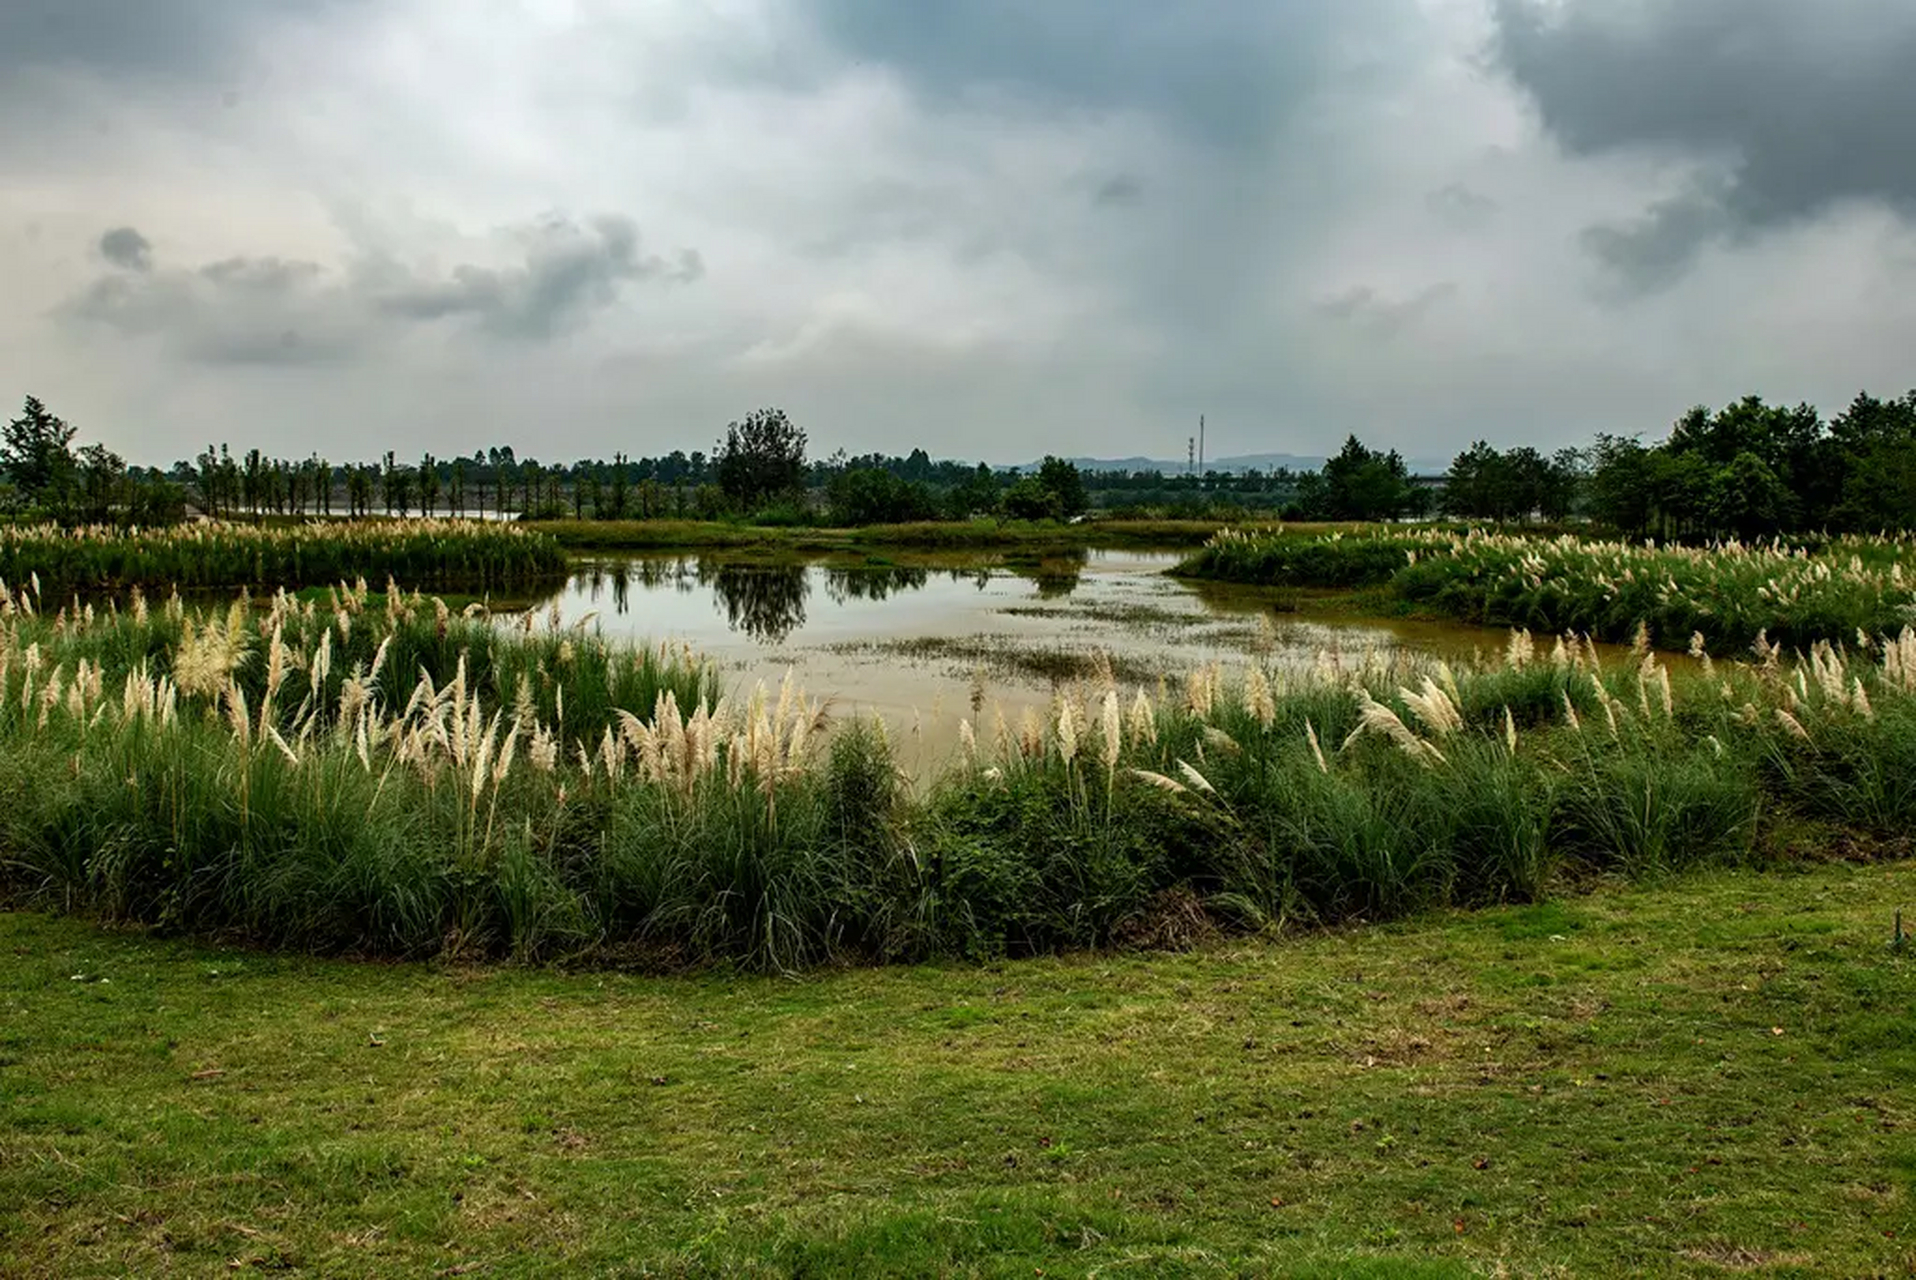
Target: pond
point(923, 640)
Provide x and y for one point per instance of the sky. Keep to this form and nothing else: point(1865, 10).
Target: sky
point(990, 228)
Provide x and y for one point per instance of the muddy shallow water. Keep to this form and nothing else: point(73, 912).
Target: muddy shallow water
point(918, 638)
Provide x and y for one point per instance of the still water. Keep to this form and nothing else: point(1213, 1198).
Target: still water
point(917, 638)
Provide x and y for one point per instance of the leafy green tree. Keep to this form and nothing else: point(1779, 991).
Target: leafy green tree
point(1563, 485)
point(36, 456)
point(871, 495)
point(1748, 499)
point(1473, 485)
point(760, 458)
point(1363, 484)
point(1027, 498)
point(977, 492)
point(103, 480)
point(1873, 444)
point(428, 485)
point(1061, 478)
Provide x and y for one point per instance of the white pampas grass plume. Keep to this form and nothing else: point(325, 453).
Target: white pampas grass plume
point(1111, 729)
point(1159, 781)
point(1195, 778)
point(1257, 697)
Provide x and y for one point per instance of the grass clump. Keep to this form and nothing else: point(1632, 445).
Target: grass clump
point(410, 781)
point(466, 554)
point(1730, 594)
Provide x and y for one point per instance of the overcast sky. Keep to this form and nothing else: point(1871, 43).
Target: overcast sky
point(993, 228)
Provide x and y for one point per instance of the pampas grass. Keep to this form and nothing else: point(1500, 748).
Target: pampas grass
point(393, 777)
point(1713, 600)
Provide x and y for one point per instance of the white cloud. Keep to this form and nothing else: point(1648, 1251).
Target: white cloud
point(577, 227)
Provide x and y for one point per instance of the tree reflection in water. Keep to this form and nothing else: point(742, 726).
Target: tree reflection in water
point(1058, 576)
point(766, 599)
point(872, 582)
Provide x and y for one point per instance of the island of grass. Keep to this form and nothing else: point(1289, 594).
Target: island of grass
point(1724, 597)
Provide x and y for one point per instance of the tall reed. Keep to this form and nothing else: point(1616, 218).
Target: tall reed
point(1731, 593)
point(396, 778)
point(447, 554)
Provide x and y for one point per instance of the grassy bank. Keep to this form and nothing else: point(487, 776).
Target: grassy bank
point(414, 783)
point(1012, 535)
point(1723, 597)
point(466, 554)
point(1700, 1079)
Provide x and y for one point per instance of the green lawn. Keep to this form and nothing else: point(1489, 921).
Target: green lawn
point(1709, 1077)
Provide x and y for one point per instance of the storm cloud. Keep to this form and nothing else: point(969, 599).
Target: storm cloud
point(121, 37)
point(988, 228)
point(1788, 108)
point(1220, 71)
point(252, 310)
point(126, 248)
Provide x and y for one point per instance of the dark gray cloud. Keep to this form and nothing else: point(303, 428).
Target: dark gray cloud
point(127, 249)
point(178, 38)
point(1457, 205)
point(1376, 316)
point(251, 310)
point(1652, 251)
point(1227, 71)
point(1799, 106)
point(1118, 190)
point(568, 271)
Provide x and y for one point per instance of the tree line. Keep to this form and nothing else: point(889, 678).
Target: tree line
point(1747, 470)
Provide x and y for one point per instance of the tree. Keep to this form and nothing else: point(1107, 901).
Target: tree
point(871, 495)
point(1062, 479)
point(1747, 498)
point(618, 495)
point(1028, 499)
point(36, 455)
point(978, 491)
point(428, 485)
point(102, 476)
point(1473, 487)
point(760, 458)
point(1873, 461)
point(1362, 484)
point(1619, 484)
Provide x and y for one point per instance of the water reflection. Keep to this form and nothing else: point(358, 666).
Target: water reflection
point(1056, 577)
point(877, 582)
point(766, 600)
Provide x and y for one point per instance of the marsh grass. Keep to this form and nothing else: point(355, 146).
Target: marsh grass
point(446, 553)
point(1731, 594)
point(406, 780)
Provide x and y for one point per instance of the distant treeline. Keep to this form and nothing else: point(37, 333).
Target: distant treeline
point(1747, 470)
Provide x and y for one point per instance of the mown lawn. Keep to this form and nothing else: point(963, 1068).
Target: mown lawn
point(1710, 1077)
